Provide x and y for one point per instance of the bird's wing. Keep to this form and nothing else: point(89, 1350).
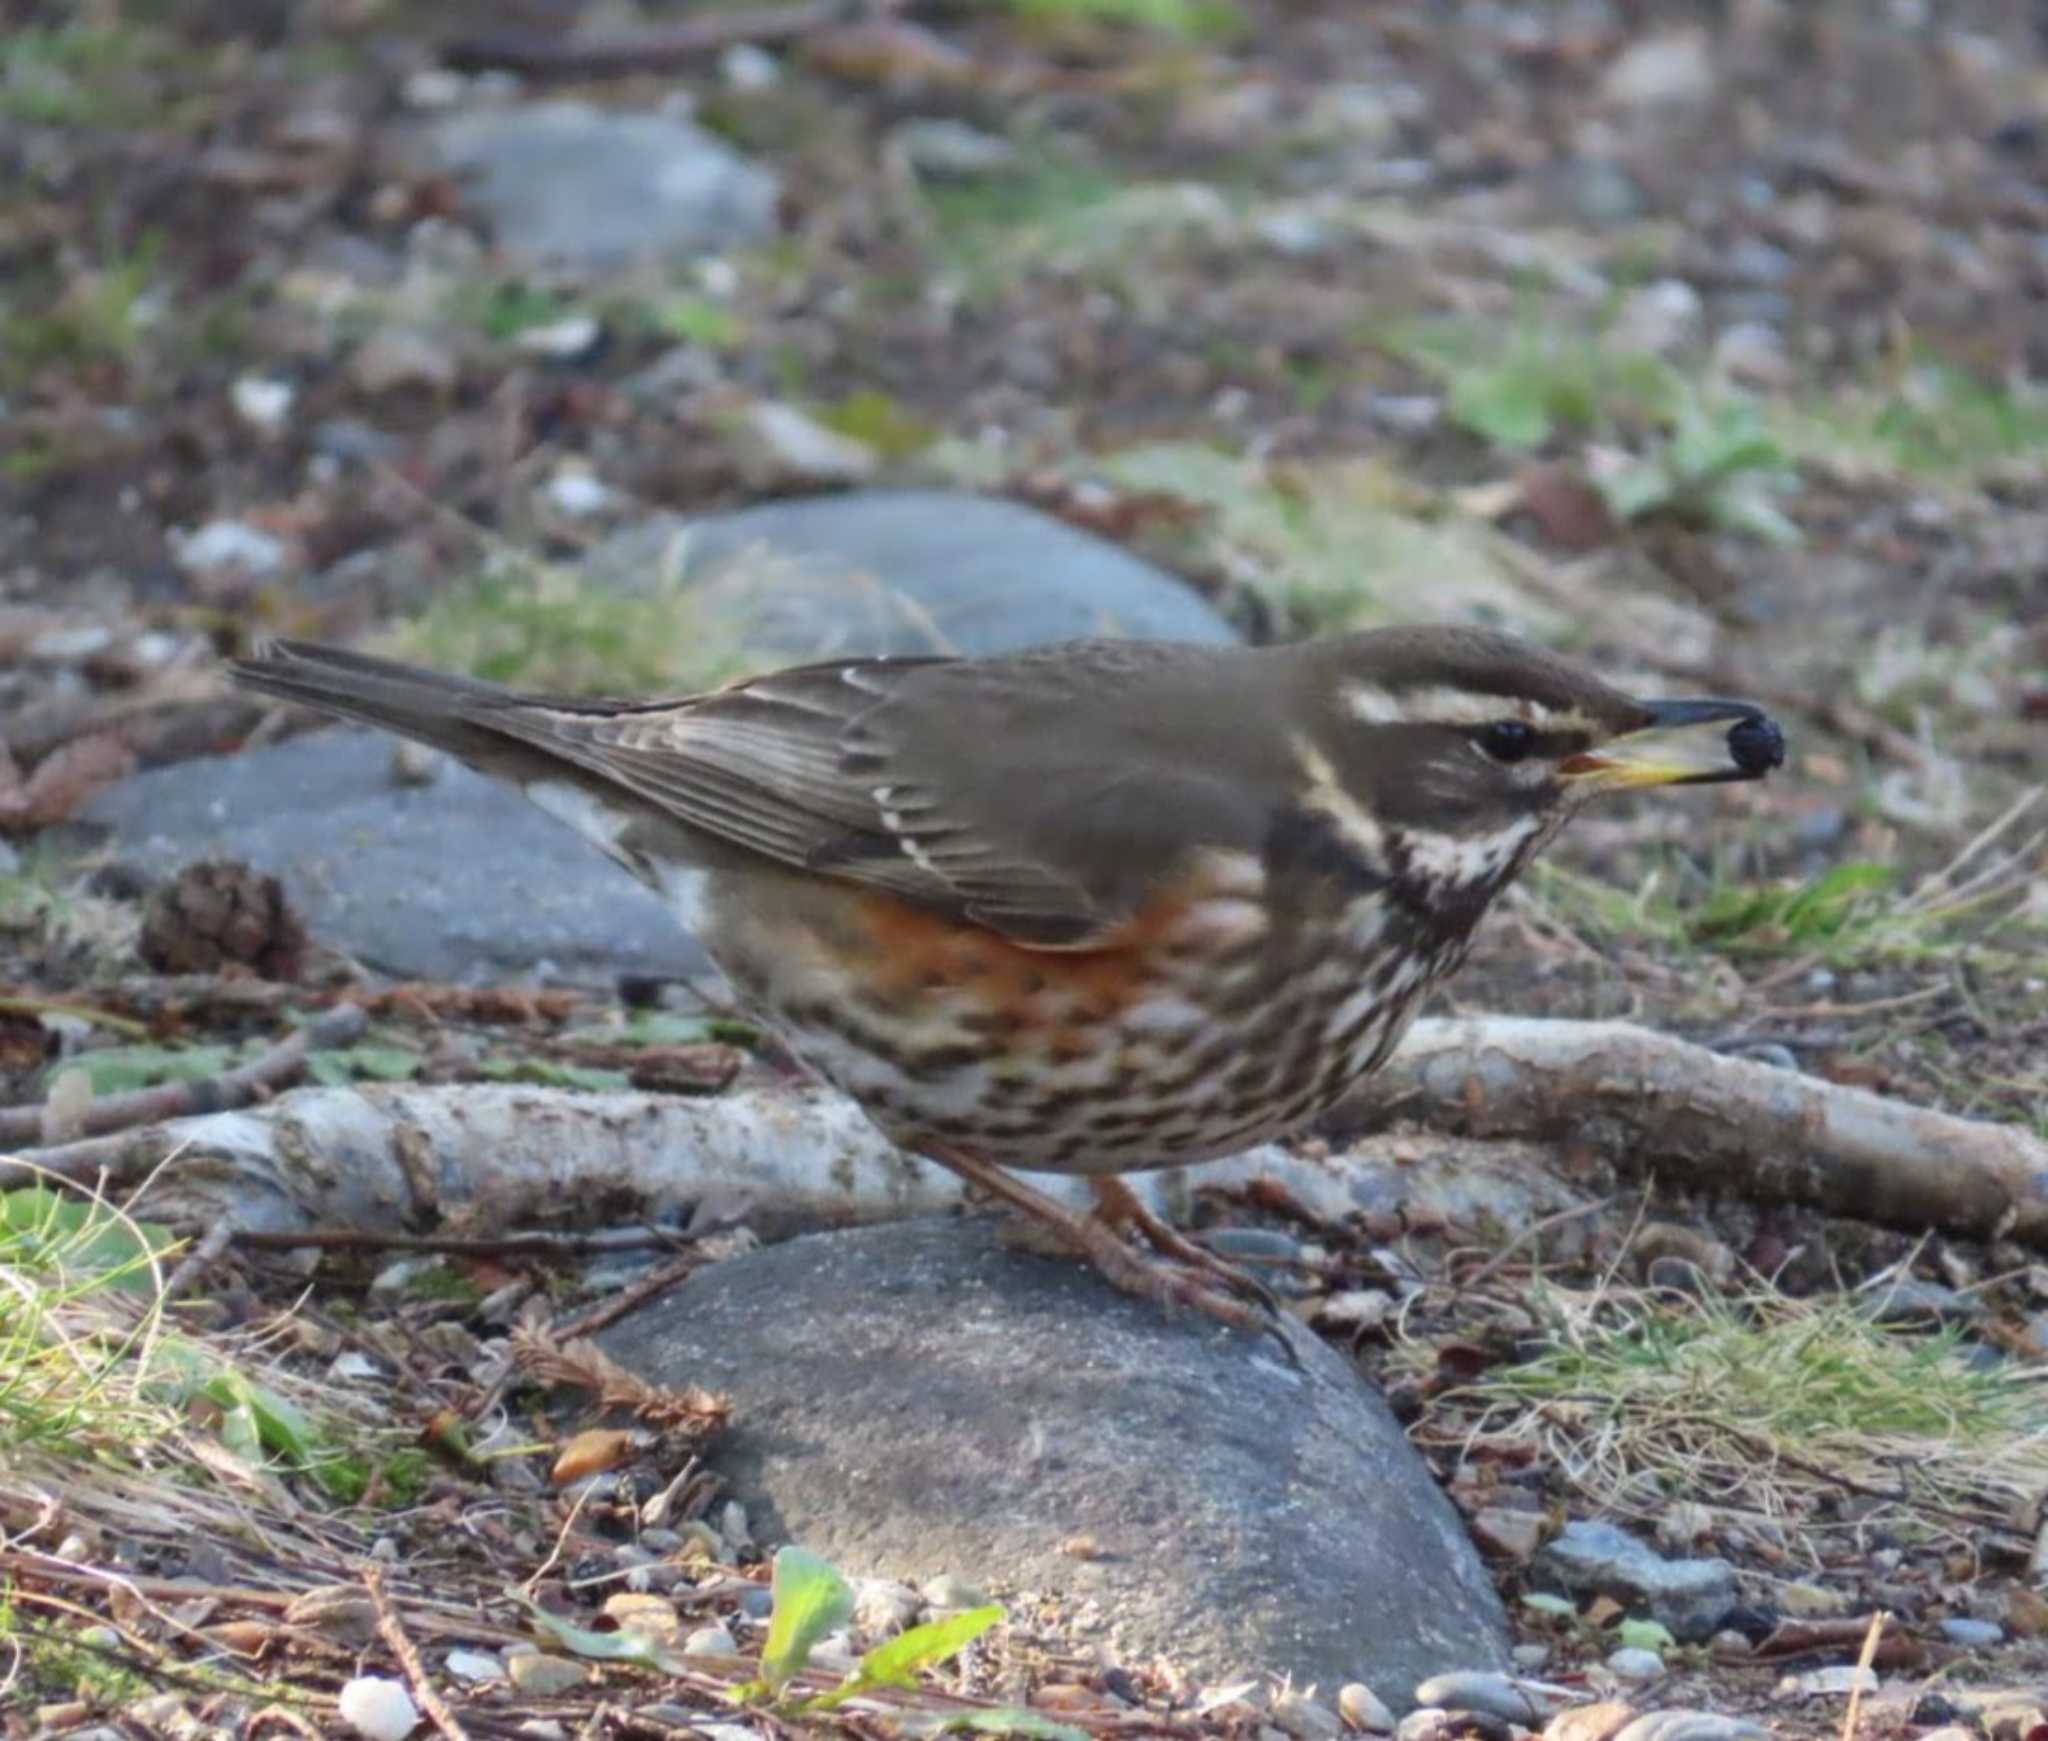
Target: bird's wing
point(1019, 794)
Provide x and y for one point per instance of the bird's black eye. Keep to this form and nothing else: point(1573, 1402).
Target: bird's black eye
point(1508, 740)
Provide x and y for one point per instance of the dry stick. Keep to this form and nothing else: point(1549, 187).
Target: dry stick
point(628, 1299)
point(402, 1647)
point(620, 52)
point(197, 1261)
point(453, 1245)
point(23, 1125)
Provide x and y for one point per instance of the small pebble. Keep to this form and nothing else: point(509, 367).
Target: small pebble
point(1837, 1681)
point(1430, 1724)
point(224, 546)
point(1303, 1718)
point(948, 1591)
point(380, 1709)
point(475, 1665)
point(710, 1641)
point(1492, 1693)
point(434, 88)
point(415, 764)
point(834, 1653)
point(1598, 1722)
point(1530, 1656)
point(578, 493)
point(1363, 1708)
point(746, 66)
point(1974, 1634)
point(883, 1608)
point(1692, 1726)
point(735, 1526)
point(564, 340)
point(1405, 413)
point(1507, 1534)
point(535, 1672)
point(757, 1603)
point(1633, 1663)
point(262, 403)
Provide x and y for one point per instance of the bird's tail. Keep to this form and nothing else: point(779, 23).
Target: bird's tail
point(482, 723)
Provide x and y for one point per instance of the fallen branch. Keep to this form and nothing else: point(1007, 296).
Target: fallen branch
point(1642, 1099)
point(132, 1005)
point(20, 1125)
point(1494, 1096)
point(392, 1630)
point(617, 53)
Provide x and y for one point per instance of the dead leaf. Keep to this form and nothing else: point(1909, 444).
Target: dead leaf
point(62, 781)
point(2026, 1613)
point(243, 1637)
point(591, 1452)
point(342, 1612)
point(1569, 512)
point(692, 1410)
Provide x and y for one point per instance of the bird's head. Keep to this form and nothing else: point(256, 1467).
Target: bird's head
point(1446, 757)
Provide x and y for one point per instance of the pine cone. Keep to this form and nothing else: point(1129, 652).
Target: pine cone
point(219, 913)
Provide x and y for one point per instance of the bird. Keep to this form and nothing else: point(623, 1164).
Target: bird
point(1096, 907)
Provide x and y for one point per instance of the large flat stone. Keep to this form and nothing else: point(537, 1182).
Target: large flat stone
point(908, 571)
point(459, 880)
point(916, 1399)
point(582, 186)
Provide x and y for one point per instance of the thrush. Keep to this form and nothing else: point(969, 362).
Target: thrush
point(1094, 908)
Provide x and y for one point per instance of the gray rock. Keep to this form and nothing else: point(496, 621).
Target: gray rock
point(908, 571)
point(1633, 1663)
point(391, 875)
point(1495, 1694)
point(709, 1641)
point(1974, 1634)
point(916, 1398)
point(1363, 1708)
point(567, 182)
point(1661, 71)
point(1908, 1300)
point(1306, 1719)
point(951, 150)
point(1690, 1597)
point(1600, 192)
point(1752, 260)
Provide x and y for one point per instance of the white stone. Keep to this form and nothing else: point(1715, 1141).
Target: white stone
point(380, 1709)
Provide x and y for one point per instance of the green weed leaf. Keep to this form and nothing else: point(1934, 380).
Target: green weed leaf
point(811, 1598)
point(896, 1661)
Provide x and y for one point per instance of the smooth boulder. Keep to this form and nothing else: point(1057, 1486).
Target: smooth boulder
point(916, 1399)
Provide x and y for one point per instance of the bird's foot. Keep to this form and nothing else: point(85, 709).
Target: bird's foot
point(1118, 1206)
point(1184, 1276)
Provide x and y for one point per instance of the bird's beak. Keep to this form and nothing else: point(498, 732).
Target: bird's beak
point(1675, 749)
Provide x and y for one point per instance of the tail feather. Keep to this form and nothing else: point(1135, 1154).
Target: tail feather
point(451, 713)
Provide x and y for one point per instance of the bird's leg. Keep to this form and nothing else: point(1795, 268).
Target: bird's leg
point(1119, 1206)
point(1097, 1238)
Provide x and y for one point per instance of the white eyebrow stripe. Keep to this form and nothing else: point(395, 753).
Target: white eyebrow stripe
point(1353, 821)
point(1437, 704)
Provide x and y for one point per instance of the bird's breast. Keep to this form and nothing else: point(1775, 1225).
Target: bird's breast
point(1215, 1019)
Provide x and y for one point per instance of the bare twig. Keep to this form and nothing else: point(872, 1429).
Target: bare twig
point(23, 1125)
point(392, 1631)
point(639, 51)
point(197, 1261)
point(456, 1245)
point(629, 1299)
